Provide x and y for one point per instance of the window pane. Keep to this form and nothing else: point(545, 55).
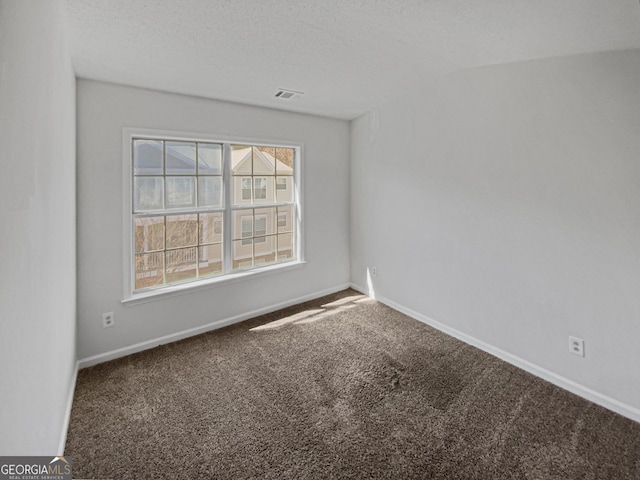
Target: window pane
point(284, 189)
point(285, 246)
point(180, 158)
point(241, 163)
point(263, 189)
point(147, 157)
point(181, 192)
point(242, 254)
point(149, 270)
point(210, 191)
point(265, 220)
point(181, 264)
point(242, 221)
point(209, 159)
point(284, 161)
point(147, 193)
point(263, 161)
point(149, 234)
point(182, 230)
point(210, 227)
point(210, 260)
point(285, 219)
point(264, 250)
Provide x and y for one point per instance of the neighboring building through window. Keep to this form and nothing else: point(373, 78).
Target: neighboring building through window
point(192, 221)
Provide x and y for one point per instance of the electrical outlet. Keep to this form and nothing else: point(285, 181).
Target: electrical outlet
point(576, 346)
point(374, 272)
point(108, 320)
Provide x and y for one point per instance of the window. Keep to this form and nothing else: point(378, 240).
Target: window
point(282, 219)
point(246, 189)
point(260, 189)
point(261, 228)
point(247, 230)
point(203, 209)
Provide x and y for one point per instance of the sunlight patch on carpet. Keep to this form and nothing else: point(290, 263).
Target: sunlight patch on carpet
point(285, 321)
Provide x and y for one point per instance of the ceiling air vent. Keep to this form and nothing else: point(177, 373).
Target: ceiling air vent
point(287, 94)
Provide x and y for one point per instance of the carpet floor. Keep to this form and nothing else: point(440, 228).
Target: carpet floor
point(339, 387)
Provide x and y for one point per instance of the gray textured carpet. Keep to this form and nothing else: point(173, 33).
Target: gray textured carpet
point(348, 390)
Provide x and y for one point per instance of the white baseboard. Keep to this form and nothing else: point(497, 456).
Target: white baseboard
point(67, 413)
point(146, 345)
point(605, 401)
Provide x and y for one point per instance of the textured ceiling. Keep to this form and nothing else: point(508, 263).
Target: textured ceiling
point(346, 55)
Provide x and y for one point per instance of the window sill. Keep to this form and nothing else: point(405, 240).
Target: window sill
point(185, 288)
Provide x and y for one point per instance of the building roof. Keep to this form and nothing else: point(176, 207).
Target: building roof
point(241, 156)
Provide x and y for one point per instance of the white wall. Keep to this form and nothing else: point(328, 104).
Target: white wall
point(103, 110)
point(504, 202)
point(37, 227)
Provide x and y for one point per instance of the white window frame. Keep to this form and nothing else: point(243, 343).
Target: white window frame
point(130, 297)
